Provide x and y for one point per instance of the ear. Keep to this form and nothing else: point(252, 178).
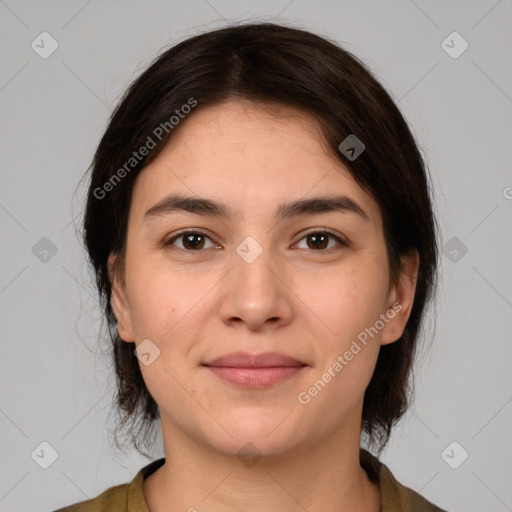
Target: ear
point(400, 299)
point(119, 302)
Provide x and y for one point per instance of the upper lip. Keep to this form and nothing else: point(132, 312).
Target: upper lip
point(246, 360)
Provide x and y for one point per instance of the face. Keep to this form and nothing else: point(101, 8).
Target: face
point(253, 275)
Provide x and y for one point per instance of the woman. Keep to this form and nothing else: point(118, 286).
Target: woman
point(260, 223)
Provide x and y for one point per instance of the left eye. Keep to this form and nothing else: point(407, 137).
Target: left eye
point(319, 240)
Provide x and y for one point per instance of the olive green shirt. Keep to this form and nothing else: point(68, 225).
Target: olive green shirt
point(129, 497)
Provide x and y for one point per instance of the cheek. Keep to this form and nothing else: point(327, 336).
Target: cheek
point(165, 303)
point(164, 306)
point(348, 306)
point(347, 301)
point(155, 300)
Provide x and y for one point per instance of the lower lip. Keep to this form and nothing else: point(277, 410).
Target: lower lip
point(255, 378)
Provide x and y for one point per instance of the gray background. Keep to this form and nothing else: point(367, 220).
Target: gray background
point(56, 386)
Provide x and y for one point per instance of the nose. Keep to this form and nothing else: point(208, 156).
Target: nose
point(256, 294)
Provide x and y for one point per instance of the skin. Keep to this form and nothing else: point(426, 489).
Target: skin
point(306, 302)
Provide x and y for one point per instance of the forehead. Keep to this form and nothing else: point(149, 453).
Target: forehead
point(250, 156)
point(243, 129)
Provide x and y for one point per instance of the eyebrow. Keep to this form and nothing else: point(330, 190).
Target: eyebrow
point(211, 208)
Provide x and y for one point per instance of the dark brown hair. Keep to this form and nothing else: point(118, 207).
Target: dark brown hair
point(269, 63)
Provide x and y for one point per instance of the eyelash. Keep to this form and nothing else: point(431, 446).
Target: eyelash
point(340, 240)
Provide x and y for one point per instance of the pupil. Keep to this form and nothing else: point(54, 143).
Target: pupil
point(190, 238)
point(320, 239)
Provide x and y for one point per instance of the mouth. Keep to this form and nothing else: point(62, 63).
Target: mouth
point(255, 371)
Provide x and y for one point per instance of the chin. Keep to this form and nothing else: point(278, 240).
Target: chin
point(265, 438)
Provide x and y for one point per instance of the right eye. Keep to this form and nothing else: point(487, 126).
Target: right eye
point(191, 241)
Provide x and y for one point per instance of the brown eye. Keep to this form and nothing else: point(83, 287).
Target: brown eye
point(319, 240)
point(190, 241)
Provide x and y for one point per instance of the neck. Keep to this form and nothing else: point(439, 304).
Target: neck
point(321, 476)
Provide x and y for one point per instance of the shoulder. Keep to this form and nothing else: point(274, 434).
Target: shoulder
point(119, 498)
point(110, 500)
point(407, 498)
point(395, 497)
